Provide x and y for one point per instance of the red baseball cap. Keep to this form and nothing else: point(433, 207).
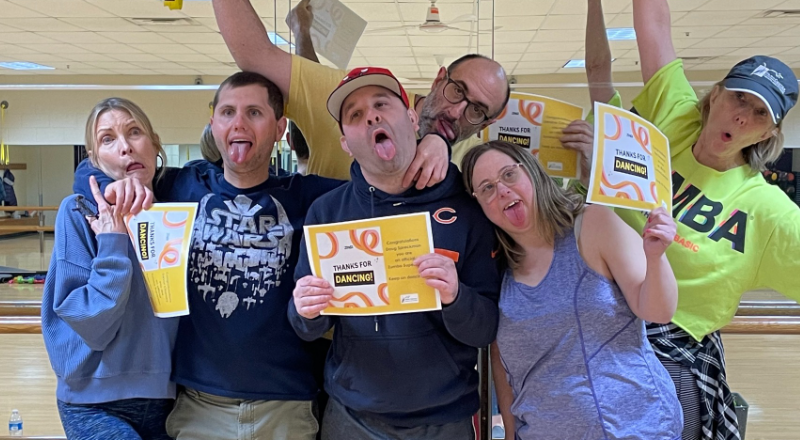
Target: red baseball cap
point(361, 77)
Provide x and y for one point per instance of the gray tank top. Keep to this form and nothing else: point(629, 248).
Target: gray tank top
point(578, 360)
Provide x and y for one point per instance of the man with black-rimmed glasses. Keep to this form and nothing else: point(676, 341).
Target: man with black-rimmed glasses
point(475, 84)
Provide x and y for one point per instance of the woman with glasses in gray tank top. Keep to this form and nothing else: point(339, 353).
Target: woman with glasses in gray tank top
point(571, 359)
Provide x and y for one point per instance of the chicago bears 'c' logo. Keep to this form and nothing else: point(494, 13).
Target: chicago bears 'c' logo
point(445, 216)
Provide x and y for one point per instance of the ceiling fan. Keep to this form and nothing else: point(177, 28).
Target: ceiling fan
point(432, 23)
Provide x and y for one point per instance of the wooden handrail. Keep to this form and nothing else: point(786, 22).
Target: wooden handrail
point(20, 308)
point(20, 325)
point(764, 325)
point(768, 308)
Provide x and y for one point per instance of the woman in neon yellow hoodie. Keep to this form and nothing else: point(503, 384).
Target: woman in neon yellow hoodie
point(735, 232)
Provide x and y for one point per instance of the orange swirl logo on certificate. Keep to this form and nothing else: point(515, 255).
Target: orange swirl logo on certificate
point(535, 123)
point(370, 264)
point(631, 167)
point(161, 237)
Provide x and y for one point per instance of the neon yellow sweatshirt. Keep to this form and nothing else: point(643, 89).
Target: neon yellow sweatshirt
point(735, 231)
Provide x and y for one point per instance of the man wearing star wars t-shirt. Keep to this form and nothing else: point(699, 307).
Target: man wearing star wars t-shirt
point(240, 362)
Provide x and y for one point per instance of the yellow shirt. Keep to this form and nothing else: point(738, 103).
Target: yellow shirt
point(460, 149)
point(311, 85)
point(306, 105)
point(735, 231)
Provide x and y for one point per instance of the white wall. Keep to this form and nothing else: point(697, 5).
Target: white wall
point(55, 163)
point(59, 117)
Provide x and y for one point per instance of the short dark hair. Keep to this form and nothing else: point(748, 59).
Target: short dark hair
point(299, 144)
point(242, 79)
point(477, 56)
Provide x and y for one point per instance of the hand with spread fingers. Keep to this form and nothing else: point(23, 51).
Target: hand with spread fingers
point(440, 273)
point(311, 296)
point(659, 233)
point(109, 219)
point(430, 164)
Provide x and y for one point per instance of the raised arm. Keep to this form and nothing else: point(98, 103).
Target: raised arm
point(651, 20)
point(299, 21)
point(638, 265)
point(598, 55)
point(247, 39)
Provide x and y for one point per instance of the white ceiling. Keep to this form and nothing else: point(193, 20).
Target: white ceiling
point(98, 37)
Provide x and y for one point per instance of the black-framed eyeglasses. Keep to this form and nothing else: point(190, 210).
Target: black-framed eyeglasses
point(509, 175)
point(454, 94)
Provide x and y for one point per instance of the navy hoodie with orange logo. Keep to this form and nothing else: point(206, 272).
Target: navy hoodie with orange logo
point(415, 368)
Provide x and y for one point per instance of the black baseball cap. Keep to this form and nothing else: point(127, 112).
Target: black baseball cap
point(769, 79)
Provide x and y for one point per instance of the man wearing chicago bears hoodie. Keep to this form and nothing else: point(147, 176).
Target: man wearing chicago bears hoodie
point(404, 376)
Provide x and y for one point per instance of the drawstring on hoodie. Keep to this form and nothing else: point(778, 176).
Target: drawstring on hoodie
point(372, 201)
point(372, 214)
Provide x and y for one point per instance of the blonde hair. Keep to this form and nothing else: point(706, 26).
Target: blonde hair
point(556, 208)
point(208, 146)
point(138, 115)
point(757, 155)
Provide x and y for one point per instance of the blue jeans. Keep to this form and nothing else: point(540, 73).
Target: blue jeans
point(131, 419)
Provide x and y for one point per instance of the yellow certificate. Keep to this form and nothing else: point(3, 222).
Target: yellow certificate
point(535, 123)
point(162, 236)
point(631, 167)
point(370, 264)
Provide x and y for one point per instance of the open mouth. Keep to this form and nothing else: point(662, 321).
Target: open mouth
point(238, 149)
point(384, 145)
point(515, 213)
point(445, 128)
point(134, 166)
point(727, 137)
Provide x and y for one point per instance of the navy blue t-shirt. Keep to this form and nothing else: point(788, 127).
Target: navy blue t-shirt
point(237, 341)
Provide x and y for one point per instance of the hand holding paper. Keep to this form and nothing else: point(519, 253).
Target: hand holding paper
point(535, 123)
point(440, 273)
point(312, 295)
point(659, 233)
point(300, 17)
point(369, 265)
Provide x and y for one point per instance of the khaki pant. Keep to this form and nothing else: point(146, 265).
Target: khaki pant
point(201, 416)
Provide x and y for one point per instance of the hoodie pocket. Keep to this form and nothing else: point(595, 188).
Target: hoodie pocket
point(400, 374)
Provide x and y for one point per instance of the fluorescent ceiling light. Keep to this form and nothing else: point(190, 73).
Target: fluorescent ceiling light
point(620, 34)
point(21, 65)
point(574, 64)
point(277, 39)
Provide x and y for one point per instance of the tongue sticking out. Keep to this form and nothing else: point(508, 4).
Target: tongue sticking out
point(516, 214)
point(238, 151)
point(384, 147)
